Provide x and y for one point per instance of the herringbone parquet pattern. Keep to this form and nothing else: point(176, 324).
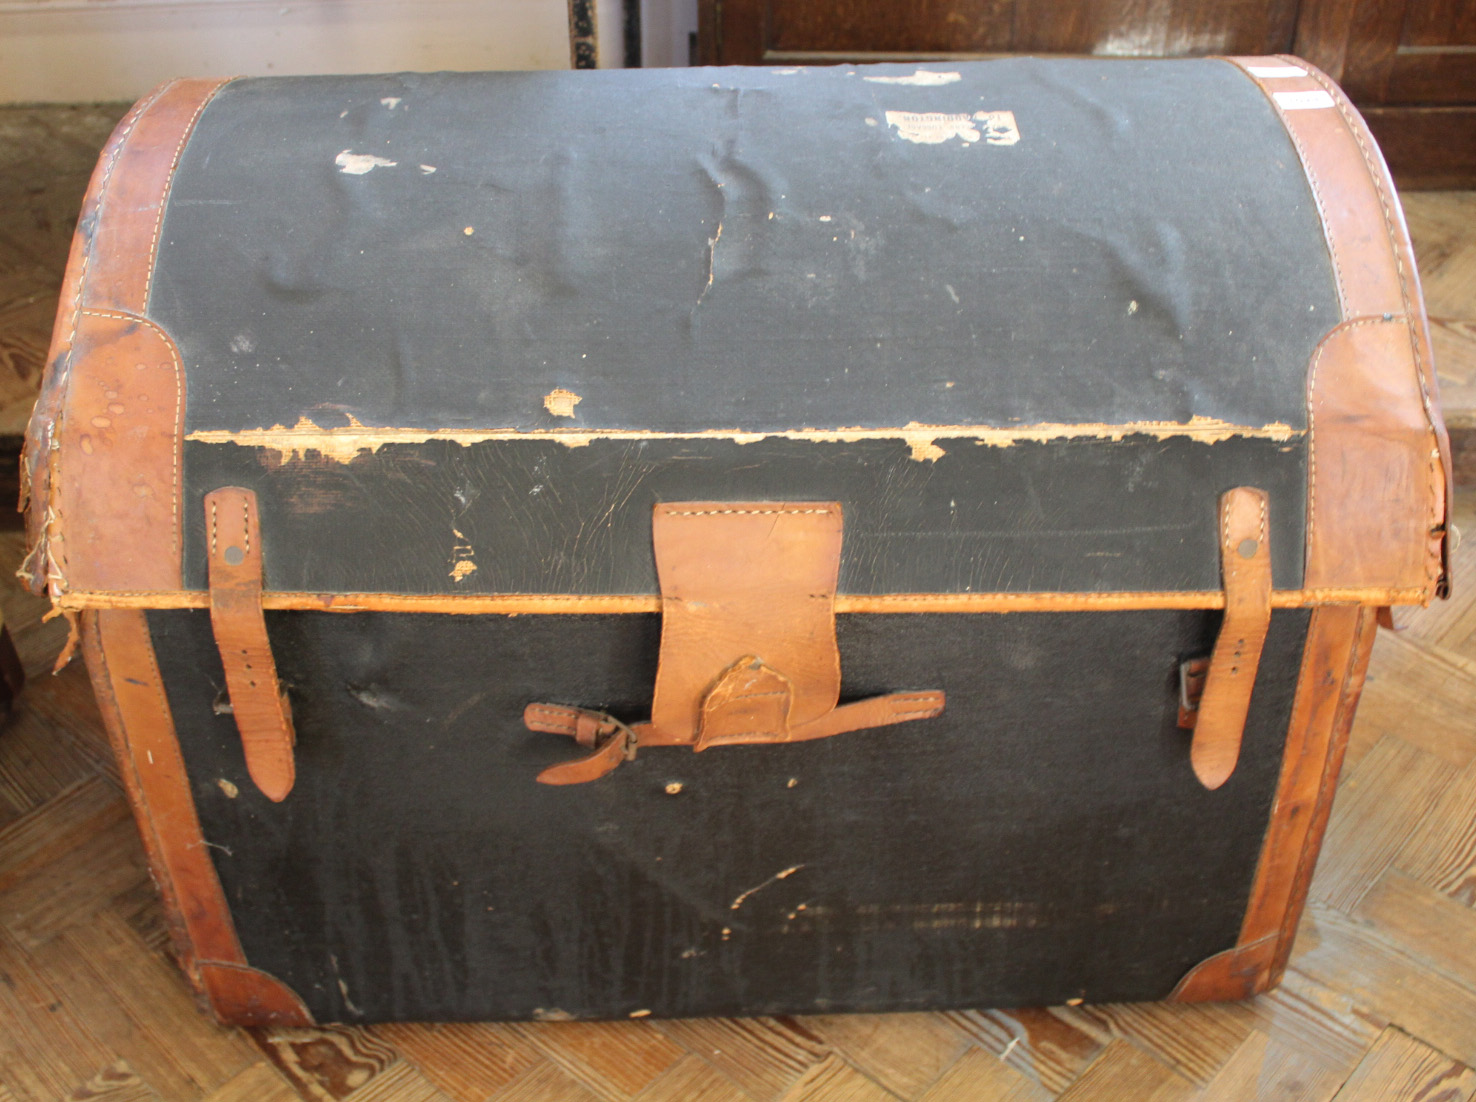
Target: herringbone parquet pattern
point(1379, 1005)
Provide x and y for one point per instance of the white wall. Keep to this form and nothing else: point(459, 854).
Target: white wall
point(80, 50)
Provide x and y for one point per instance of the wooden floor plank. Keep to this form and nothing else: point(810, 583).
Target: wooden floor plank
point(1194, 1039)
point(45, 1050)
point(261, 1082)
point(115, 1083)
point(1037, 1042)
point(615, 1060)
point(69, 820)
point(1378, 806)
point(1382, 979)
point(1402, 1069)
point(1124, 1073)
point(764, 1056)
point(902, 1052)
point(979, 1076)
point(1423, 923)
point(75, 886)
point(124, 1025)
point(1442, 851)
point(326, 1063)
point(467, 1060)
point(1304, 1015)
point(158, 1001)
point(834, 1080)
point(1263, 1070)
point(400, 1082)
point(692, 1079)
point(1408, 677)
point(545, 1082)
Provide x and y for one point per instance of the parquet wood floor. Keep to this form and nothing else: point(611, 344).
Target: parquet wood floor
point(1379, 1004)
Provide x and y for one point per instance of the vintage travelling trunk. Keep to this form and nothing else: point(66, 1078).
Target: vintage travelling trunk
point(736, 541)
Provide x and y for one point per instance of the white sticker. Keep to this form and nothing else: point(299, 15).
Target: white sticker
point(1302, 101)
point(934, 128)
point(1275, 71)
point(922, 77)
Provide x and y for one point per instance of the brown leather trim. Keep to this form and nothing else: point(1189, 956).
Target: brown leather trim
point(748, 642)
point(1245, 562)
point(1334, 661)
point(108, 273)
point(1236, 973)
point(1377, 281)
point(521, 604)
point(258, 702)
point(115, 462)
point(246, 996)
point(1370, 462)
point(140, 725)
point(742, 579)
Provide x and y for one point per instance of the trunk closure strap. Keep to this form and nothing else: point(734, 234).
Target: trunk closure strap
point(748, 645)
point(263, 715)
point(1245, 565)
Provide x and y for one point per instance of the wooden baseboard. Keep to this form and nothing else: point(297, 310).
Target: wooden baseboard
point(1428, 148)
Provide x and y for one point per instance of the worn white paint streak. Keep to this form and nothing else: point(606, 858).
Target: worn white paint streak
point(391, 102)
point(345, 444)
point(1302, 101)
point(922, 78)
point(357, 164)
point(935, 128)
point(427, 169)
point(782, 874)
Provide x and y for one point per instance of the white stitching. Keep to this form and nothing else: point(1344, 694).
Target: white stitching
point(743, 512)
point(168, 187)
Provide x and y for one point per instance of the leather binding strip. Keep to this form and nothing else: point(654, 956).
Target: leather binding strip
point(1334, 662)
point(525, 604)
point(140, 725)
point(748, 645)
point(103, 446)
point(258, 701)
point(1372, 392)
point(1245, 562)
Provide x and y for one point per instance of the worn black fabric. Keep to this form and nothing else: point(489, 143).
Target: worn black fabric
point(745, 248)
point(535, 516)
point(1044, 839)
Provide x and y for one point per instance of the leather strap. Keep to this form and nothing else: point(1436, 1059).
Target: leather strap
point(748, 645)
point(1245, 565)
point(262, 713)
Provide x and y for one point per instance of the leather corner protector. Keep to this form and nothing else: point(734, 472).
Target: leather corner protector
point(1234, 974)
point(109, 270)
point(244, 996)
point(114, 517)
point(1376, 498)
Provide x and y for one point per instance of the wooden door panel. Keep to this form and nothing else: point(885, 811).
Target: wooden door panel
point(752, 32)
point(1153, 28)
point(861, 27)
point(1440, 23)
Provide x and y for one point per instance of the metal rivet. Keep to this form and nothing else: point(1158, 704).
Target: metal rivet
point(234, 556)
point(1247, 549)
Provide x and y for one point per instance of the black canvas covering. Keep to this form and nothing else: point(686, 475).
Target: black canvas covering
point(1044, 839)
point(748, 251)
point(744, 249)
